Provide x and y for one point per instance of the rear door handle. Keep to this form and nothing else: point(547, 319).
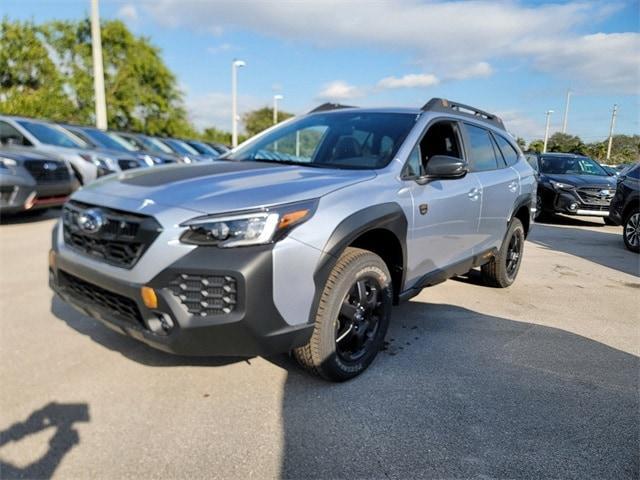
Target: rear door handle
point(513, 186)
point(474, 194)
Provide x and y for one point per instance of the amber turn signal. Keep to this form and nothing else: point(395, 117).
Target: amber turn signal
point(52, 259)
point(292, 218)
point(149, 297)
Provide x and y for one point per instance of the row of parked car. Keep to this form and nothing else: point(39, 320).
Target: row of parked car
point(42, 163)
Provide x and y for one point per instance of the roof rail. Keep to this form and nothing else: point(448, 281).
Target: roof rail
point(446, 106)
point(325, 107)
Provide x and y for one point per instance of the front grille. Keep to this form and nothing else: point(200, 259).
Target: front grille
point(47, 171)
point(126, 164)
point(205, 294)
point(595, 208)
point(592, 196)
point(121, 239)
point(116, 304)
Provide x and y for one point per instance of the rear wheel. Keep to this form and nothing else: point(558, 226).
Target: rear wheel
point(503, 269)
point(631, 231)
point(352, 317)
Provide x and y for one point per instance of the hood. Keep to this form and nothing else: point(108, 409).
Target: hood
point(224, 186)
point(583, 180)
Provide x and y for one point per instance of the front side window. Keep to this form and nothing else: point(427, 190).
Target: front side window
point(345, 139)
point(509, 153)
point(441, 138)
point(481, 151)
point(533, 161)
point(51, 135)
point(560, 165)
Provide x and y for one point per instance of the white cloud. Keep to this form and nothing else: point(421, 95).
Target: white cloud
point(340, 90)
point(412, 80)
point(223, 47)
point(442, 36)
point(213, 109)
point(521, 125)
point(128, 12)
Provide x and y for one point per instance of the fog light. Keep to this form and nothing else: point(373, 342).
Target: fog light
point(52, 259)
point(149, 297)
point(573, 206)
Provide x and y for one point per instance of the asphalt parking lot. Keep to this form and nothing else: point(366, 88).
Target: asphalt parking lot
point(539, 380)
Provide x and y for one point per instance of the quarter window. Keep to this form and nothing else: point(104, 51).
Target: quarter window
point(482, 153)
point(10, 135)
point(509, 153)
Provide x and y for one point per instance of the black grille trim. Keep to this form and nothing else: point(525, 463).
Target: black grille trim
point(118, 305)
point(42, 171)
point(204, 295)
point(121, 241)
point(591, 195)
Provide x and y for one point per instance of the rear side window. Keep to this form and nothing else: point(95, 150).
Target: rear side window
point(509, 153)
point(634, 173)
point(482, 153)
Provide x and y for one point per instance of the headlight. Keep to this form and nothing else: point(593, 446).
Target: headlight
point(561, 186)
point(102, 162)
point(247, 228)
point(7, 162)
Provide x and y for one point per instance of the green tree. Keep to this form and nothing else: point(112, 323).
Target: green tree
point(565, 143)
point(536, 146)
point(522, 143)
point(259, 120)
point(30, 83)
point(141, 92)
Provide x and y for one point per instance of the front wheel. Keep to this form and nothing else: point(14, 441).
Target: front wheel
point(631, 231)
point(502, 270)
point(352, 318)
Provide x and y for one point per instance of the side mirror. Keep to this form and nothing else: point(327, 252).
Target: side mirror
point(442, 167)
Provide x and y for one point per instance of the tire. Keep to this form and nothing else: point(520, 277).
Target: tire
point(352, 317)
point(608, 221)
point(631, 231)
point(503, 269)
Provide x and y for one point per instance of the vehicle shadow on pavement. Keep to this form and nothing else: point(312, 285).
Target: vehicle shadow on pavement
point(58, 416)
point(129, 347)
point(459, 394)
point(604, 247)
point(29, 216)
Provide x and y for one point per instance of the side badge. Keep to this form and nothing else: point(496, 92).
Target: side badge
point(424, 208)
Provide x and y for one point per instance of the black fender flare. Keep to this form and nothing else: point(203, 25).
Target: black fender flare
point(523, 200)
point(387, 216)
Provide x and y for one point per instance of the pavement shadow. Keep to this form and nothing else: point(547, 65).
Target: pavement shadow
point(32, 216)
point(60, 416)
point(459, 394)
point(129, 347)
point(604, 247)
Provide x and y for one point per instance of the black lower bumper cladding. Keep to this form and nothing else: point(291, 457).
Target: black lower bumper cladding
point(253, 327)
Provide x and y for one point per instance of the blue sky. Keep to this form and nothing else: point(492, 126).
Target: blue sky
point(513, 58)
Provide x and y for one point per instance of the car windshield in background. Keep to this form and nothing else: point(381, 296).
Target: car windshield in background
point(570, 165)
point(347, 139)
point(105, 140)
point(156, 145)
point(180, 147)
point(202, 148)
point(51, 135)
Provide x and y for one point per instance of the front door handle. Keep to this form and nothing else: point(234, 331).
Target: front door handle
point(474, 194)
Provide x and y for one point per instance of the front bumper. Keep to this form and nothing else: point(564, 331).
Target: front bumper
point(19, 194)
point(569, 202)
point(253, 327)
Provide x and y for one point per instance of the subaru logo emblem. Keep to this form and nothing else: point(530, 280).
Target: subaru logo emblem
point(604, 193)
point(91, 221)
point(50, 166)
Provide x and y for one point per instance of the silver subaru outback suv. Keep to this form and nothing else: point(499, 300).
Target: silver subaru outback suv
point(302, 238)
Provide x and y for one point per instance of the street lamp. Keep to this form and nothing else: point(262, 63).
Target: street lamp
point(546, 131)
point(234, 100)
point(275, 107)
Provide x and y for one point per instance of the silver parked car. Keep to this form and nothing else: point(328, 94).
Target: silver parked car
point(47, 137)
point(302, 238)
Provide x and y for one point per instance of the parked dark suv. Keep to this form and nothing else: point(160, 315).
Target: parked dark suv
point(625, 207)
point(572, 185)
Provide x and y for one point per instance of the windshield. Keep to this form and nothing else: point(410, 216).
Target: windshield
point(180, 147)
point(105, 140)
point(202, 148)
point(156, 145)
point(571, 166)
point(346, 139)
point(51, 135)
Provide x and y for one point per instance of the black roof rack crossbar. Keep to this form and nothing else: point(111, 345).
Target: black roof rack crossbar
point(446, 106)
point(325, 107)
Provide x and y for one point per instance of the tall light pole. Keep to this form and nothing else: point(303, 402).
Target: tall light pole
point(565, 118)
point(275, 107)
point(613, 124)
point(546, 131)
point(234, 101)
point(98, 74)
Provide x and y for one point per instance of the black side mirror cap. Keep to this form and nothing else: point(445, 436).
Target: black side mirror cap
point(443, 167)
